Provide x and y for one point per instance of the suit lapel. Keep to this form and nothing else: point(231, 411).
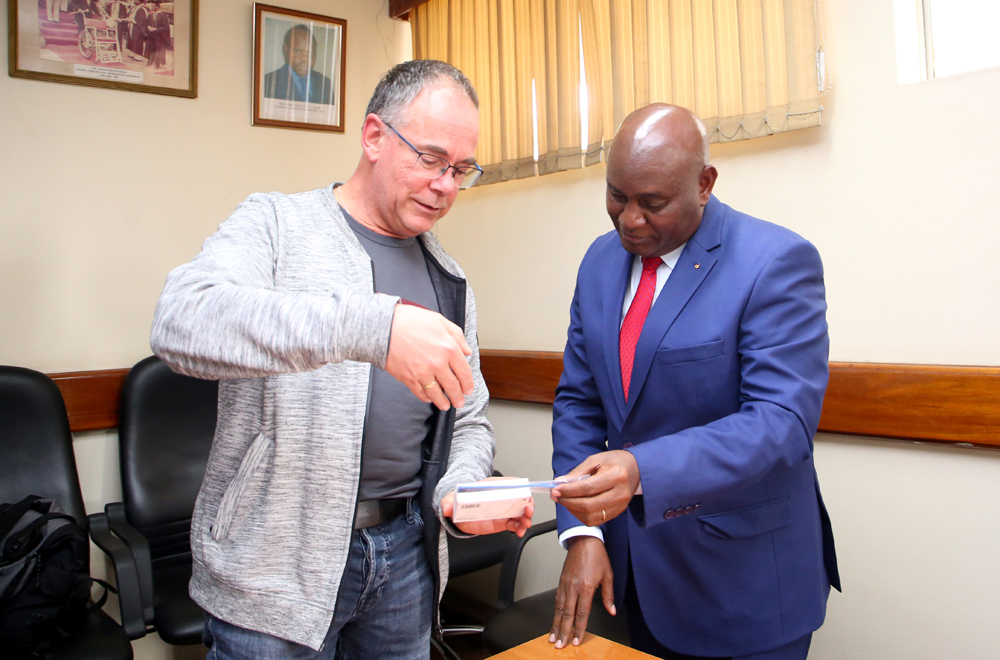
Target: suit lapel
point(614, 297)
point(694, 265)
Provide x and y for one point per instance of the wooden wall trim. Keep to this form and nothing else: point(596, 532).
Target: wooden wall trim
point(526, 376)
point(900, 401)
point(401, 8)
point(915, 402)
point(91, 398)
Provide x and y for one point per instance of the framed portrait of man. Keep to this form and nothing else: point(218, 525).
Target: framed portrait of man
point(298, 69)
point(135, 45)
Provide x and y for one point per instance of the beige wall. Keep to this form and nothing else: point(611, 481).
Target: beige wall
point(105, 191)
point(897, 189)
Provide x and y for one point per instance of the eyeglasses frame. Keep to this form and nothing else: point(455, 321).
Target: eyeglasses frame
point(454, 168)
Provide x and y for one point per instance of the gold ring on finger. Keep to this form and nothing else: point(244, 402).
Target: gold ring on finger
point(604, 516)
point(432, 384)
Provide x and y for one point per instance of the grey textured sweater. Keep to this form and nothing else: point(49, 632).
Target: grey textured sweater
point(279, 306)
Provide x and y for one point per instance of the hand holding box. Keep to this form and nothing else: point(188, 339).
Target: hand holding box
point(472, 502)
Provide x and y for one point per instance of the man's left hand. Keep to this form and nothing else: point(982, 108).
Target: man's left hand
point(517, 525)
point(613, 481)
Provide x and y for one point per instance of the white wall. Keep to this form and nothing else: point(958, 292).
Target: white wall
point(105, 191)
point(897, 189)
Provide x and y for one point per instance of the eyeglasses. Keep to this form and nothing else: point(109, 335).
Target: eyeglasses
point(434, 167)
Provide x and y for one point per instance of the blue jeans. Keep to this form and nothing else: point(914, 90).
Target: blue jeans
point(384, 607)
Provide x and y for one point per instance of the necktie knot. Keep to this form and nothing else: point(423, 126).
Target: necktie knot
point(651, 263)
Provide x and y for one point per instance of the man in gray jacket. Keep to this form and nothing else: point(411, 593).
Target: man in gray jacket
point(350, 398)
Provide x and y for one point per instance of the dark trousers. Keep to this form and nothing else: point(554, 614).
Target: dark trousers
point(642, 639)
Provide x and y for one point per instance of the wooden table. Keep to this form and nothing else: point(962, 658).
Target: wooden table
point(592, 648)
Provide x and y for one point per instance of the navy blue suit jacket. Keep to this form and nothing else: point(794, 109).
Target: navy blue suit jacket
point(730, 544)
point(278, 84)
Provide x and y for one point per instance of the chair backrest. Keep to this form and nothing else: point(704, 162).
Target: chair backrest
point(165, 430)
point(36, 448)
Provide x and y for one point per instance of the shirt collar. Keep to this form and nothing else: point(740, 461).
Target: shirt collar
point(296, 77)
point(670, 259)
point(300, 82)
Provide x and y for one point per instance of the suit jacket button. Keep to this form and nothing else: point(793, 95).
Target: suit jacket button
point(688, 509)
point(627, 445)
point(669, 514)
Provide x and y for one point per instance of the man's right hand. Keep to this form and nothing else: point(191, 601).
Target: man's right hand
point(427, 354)
point(586, 567)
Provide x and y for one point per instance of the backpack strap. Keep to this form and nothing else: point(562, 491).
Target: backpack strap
point(13, 513)
point(20, 544)
point(93, 607)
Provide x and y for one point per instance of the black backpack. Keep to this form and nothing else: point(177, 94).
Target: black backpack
point(44, 575)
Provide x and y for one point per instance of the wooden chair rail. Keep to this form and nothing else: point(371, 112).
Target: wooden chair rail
point(902, 401)
point(91, 398)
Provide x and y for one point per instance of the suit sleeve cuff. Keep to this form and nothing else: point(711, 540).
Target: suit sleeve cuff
point(580, 530)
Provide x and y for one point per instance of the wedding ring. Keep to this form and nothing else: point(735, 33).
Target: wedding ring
point(433, 383)
point(604, 516)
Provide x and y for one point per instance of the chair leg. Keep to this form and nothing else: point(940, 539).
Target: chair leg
point(446, 651)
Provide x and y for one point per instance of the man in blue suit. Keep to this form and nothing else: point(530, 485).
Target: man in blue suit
point(693, 380)
point(297, 81)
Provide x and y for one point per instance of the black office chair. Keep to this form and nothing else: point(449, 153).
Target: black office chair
point(165, 431)
point(37, 459)
point(517, 622)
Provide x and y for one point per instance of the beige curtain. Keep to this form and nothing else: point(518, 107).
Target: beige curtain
point(507, 48)
point(748, 68)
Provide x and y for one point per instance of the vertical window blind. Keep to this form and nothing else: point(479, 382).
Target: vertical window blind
point(748, 68)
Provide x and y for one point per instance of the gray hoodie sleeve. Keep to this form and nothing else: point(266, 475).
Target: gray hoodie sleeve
point(219, 316)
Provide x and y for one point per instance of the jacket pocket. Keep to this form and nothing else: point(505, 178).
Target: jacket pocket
point(690, 353)
point(750, 521)
point(230, 499)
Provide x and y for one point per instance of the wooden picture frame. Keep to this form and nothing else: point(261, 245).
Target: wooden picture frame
point(133, 45)
point(298, 69)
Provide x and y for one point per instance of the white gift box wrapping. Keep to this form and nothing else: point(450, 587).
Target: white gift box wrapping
point(491, 504)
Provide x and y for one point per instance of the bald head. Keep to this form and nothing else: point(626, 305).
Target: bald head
point(659, 178)
point(660, 126)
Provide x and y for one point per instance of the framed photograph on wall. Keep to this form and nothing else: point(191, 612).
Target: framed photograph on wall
point(135, 45)
point(298, 69)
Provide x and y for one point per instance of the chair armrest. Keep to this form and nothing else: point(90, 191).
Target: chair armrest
point(508, 569)
point(139, 545)
point(129, 599)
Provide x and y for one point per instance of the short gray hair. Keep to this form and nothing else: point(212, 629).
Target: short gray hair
point(403, 82)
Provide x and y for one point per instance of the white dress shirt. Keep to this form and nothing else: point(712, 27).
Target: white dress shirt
point(663, 272)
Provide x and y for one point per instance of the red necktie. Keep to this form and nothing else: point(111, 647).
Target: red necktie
point(636, 316)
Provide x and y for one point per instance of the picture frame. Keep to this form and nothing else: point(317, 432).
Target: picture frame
point(134, 45)
point(298, 69)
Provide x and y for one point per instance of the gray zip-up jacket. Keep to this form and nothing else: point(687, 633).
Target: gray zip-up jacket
point(279, 306)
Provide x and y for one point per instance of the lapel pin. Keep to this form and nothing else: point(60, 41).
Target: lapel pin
point(698, 265)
